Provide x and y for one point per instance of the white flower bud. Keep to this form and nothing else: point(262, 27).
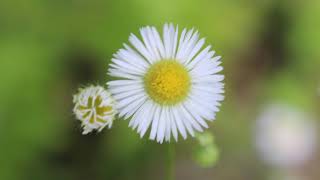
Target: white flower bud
point(94, 107)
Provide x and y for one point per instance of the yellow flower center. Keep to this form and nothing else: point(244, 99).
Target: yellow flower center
point(167, 82)
point(95, 106)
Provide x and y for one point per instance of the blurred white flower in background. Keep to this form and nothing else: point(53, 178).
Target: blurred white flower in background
point(285, 137)
point(94, 107)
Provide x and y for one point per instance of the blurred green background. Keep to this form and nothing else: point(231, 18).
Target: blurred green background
point(270, 51)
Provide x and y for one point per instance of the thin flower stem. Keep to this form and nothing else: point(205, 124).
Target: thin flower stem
point(170, 162)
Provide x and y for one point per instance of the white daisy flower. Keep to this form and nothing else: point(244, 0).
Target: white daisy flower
point(94, 107)
point(167, 84)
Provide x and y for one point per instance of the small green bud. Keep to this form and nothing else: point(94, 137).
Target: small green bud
point(206, 152)
point(206, 156)
point(205, 138)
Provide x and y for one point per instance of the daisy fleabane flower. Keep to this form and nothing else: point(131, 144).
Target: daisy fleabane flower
point(168, 84)
point(94, 107)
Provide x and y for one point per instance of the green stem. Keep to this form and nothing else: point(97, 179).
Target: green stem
point(170, 162)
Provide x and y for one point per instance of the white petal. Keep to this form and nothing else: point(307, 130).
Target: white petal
point(123, 75)
point(125, 102)
point(128, 94)
point(144, 34)
point(206, 109)
point(185, 122)
point(168, 125)
point(155, 112)
point(195, 50)
point(140, 47)
point(182, 47)
point(125, 88)
point(187, 115)
point(139, 115)
point(130, 109)
point(193, 110)
point(159, 43)
point(167, 40)
point(208, 79)
point(126, 71)
point(208, 89)
point(179, 122)
point(146, 120)
point(173, 125)
point(175, 43)
point(134, 57)
point(153, 43)
point(123, 82)
point(202, 55)
point(189, 46)
point(162, 126)
point(128, 66)
point(155, 123)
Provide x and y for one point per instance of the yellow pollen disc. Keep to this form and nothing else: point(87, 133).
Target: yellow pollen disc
point(167, 82)
point(102, 111)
